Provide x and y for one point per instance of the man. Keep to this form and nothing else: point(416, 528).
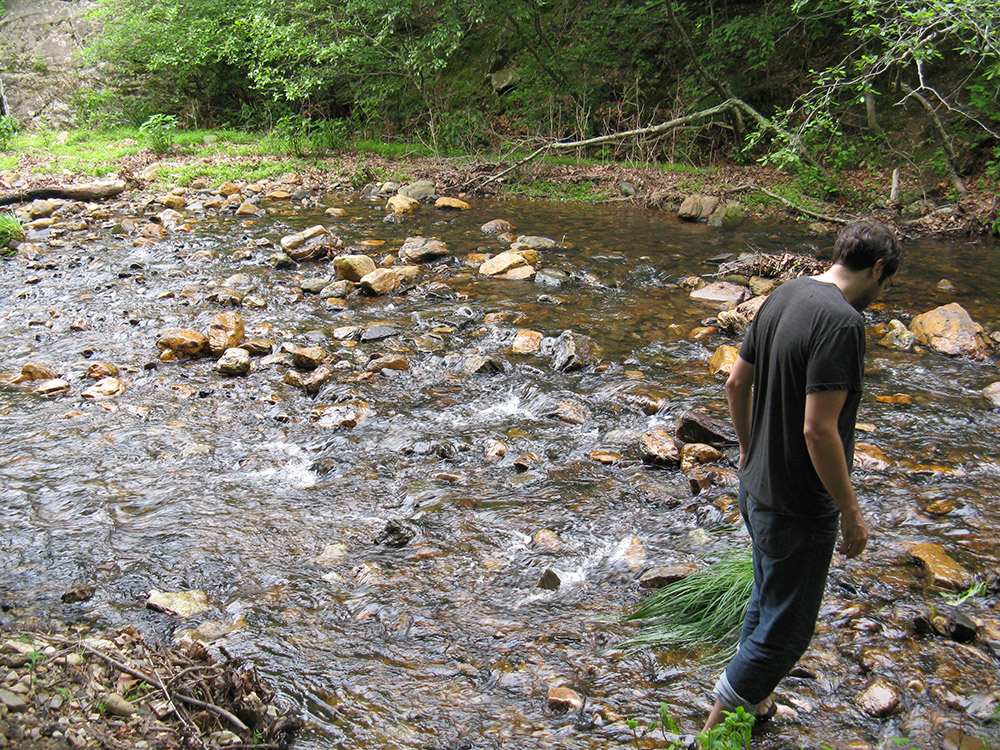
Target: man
point(793, 398)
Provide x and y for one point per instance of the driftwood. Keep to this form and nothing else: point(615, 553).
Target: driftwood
point(90, 191)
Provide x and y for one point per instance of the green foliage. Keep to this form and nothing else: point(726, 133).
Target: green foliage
point(977, 589)
point(733, 733)
point(705, 608)
point(159, 130)
point(8, 129)
point(11, 232)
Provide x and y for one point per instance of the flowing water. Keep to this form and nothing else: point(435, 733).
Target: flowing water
point(190, 480)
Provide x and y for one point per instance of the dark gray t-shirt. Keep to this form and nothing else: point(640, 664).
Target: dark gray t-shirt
point(805, 338)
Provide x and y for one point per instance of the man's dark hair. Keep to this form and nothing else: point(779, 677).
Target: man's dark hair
point(862, 243)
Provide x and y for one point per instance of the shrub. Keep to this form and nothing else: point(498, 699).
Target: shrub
point(159, 130)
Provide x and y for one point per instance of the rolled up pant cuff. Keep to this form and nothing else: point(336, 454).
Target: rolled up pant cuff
point(729, 698)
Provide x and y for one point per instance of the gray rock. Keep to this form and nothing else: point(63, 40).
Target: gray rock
point(234, 362)
point(421, 190)
point(314, 285)
point(477, 364)
point(422, 249)
point(727, 215)
point(551, 278)
point(14, 702)
point(693, 427)
point(574, 351)
point(533, 242)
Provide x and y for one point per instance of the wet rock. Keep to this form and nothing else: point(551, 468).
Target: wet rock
point(720, 291)
point(527, 461)
point(551, 278)
point(401, 205)
point(659, 577)
point(699, 454)
point(178, 603)
point(727, 215)
point(297, 240)
point(605, 457)
point(396, 362)
point(898, 336)
point(957, 738)
point(182, 344)
point(761, 286)
point(496, 226)
point(696, 207)
point(647, 398)
point(701, 478)
point(992, 392)
point(658, 447)
point(453, 204)
point(942, 570)
point(723, 359)
point(949, 329)
point(571, 412)
point(562, 699)
point(421, 190)
point(333, 416)
point(258, 347)
point(104, 388)
point(248, 209)
point(694, 427)
point(478, 364)
point(532, 242)
point(868, 457)
point(574, 351)
point(631, 551)
point(550, 580)
point(308, 357)
point(224, 332)
point(495, 450)
point(880, 699)
point(380, 282)
point(963, 628)
point(42, 209)
point(314, 250)
point(736, 320)
point(422, 249)
point(530, 342)
point(36, 371)
point(281, 260)
point(502, 263)
point(336, 211)
point(548, 540)
point(82, 593)
point(234, 362)
point(228, 189)
point(225, 297)
point(314, 285)
point(352, 268)
point(398, 532)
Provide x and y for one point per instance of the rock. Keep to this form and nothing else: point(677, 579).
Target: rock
point(605, 457)
point(401, 205)
point(398, 532)
point(658, 447)
point(963, 628)
point(723, 359)
point(352, 267)
point(898, 336)
point(495, 450)
point(942, 570)
point(171, 201)
point(527, 461)
point(737, 319)
point(956, 738)
point(550, 580)
point(879, 699)
point(104, 388)
point(521, 273)
point(182, 344)
point(502, 263)
point(451, 203)
point(949, 329)
point(631, 551)
point(377, 332)
point(396, 362)
point(530, 342)
point(696, 207)
point(992, 392)
point(422, 249)
point(225, 297)
point(36, 371)
point(228, 188)
point(720, 291)
point(656, 578)
point(42, 209)
point(497, 226)
point(234, 362)
point(297, 240)
point(547, 540)
point(562, 699)
point(694, 427)
point(258, 347)
point(701, 478)
point(571, 412)
point(870, 458)
point(247, 209)
point(478, 364)
point(82, 593)
point(308, 357)
point(552, 278)
point(381, 281)
point(224, 332)
point(98, 370)
point(338, 289)
point(727, 215)
point(14, 703)
point(574, 351)
point(117, 705)
point(699, 454)
point(336, 211)
point(314, 285)
point(178, 603)
point(532, 242)
point(421, 190)
point(333, 416)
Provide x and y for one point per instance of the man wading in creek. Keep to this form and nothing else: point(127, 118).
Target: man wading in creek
point(793, 398)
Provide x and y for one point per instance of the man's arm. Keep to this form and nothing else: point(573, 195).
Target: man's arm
point(739, 393)
point(827, 453)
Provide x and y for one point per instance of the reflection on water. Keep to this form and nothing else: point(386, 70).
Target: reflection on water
point(191, 480)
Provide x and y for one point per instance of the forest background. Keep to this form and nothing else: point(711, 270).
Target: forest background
point(813, 88)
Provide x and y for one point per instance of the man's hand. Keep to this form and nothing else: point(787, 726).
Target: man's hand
point(854, 534)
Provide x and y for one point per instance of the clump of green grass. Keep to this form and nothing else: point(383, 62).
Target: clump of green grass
point(11, 231)
point(703, 610)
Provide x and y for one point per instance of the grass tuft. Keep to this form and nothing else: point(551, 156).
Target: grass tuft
point(11, 231)
point(703, 610)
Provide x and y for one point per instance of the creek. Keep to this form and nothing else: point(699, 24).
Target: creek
point(192, 480)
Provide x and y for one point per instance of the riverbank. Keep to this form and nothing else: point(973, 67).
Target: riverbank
point(914, 203)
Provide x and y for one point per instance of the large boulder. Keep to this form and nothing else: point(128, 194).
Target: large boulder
point(696, 207)
point(950, 330)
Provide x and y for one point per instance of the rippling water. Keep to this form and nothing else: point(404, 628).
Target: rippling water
point(194, 481)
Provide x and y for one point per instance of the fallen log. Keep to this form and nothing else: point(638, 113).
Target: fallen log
point(89, 191)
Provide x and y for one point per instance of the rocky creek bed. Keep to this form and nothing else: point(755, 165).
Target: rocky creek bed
point(453, 384)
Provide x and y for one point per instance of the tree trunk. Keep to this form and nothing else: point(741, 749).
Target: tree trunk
point(91, 191)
